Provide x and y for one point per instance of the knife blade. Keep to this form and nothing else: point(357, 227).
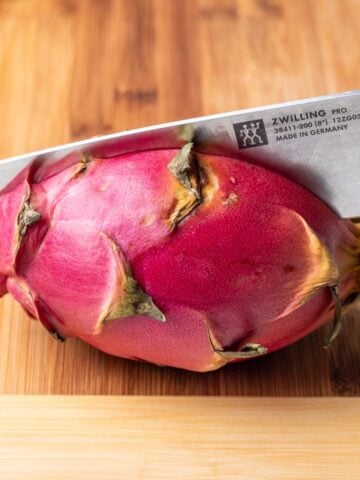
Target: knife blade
point(316, 142)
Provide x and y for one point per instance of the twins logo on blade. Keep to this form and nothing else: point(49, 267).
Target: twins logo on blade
point(251, 133)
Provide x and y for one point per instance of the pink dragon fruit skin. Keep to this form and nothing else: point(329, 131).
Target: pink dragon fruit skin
point(175, 257)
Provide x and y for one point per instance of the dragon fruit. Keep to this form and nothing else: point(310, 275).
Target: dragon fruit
point(175, 257)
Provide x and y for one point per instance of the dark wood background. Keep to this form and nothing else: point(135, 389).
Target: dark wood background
point(70, 69)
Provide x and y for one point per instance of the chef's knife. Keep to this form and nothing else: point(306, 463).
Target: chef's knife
point(316, 142)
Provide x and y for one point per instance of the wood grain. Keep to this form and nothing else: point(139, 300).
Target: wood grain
point(155, 438)
point(76, 68)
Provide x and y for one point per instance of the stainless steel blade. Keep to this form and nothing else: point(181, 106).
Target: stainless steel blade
point(315, 141)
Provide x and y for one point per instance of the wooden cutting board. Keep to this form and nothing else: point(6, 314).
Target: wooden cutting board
point(70, 69)
point(161, 438)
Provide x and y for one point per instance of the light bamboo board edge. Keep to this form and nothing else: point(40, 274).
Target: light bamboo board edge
point(150, 438)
